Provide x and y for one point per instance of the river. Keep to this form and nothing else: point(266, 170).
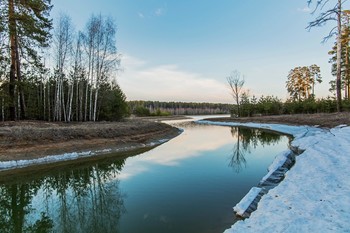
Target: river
point(188, 184)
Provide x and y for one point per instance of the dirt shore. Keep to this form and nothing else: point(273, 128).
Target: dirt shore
point(35, 139)
point(325, 120)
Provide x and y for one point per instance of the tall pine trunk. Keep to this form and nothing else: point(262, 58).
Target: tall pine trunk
point(3, 108)
point(20, 83)
point(12, 84)
point(339, 48)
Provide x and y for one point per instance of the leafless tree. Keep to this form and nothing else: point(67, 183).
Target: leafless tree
point(236, 82)
point(63, 40)
point(237, 158)
point(102, 58)
point(332, 14)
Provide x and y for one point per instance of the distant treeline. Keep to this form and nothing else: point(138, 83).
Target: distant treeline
point(149, 108)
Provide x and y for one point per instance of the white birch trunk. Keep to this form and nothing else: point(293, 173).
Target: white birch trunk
point(63, 103)
point(48, 102)
point(77, 101)
point(70, 102)
point(95, 105)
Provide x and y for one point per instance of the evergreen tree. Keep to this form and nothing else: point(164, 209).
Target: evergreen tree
point(345, 56)
point(27, 29)
point(334, 13)
point(301, 81)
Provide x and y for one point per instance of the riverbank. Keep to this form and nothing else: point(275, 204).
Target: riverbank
point(314, 195)
point(325, 120)
point(30, 140)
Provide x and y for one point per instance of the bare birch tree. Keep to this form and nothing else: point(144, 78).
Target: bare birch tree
point(77, 76)
point(89, 44)
point(63, 39)
point(102, 59)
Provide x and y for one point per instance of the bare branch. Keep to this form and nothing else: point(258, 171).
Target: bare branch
point(330, 35)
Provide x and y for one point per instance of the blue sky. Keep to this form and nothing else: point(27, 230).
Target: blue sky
point(183, 50)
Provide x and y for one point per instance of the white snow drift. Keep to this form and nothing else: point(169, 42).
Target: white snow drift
point(315, 194)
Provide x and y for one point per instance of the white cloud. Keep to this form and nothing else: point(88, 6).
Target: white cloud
point(169, 83)
point(141, 15)
point(132, 62)
point(159, 11)
point(171, 154)
point(306, 9)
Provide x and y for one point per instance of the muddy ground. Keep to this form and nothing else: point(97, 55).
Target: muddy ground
point(34, 139)
point(326, 120)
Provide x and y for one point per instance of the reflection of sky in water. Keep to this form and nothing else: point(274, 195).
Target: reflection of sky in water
point(188, 184)
point(187, 145)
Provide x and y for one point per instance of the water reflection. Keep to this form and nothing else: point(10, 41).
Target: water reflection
point(78, 200)
point(184, 185)
point(192, 143)
point(14, 206)
point(245, 139)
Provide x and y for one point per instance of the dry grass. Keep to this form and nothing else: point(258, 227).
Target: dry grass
point(326, 120)
point(32, 139)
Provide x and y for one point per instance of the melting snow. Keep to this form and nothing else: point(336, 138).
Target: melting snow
point(6, 165)
point(244, 204)
point(315, 194)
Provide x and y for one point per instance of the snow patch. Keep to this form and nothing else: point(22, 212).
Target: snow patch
point(242, 207)
point(48, 159)
point(7, 165)
point(277, 163)
point(314, 195)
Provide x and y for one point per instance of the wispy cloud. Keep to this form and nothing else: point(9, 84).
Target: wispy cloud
point(159, 11)
point(175, 154)
point(141, 15)
point(306, 9)
point(169, 83)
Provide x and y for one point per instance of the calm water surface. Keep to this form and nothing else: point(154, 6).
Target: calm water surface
point(188, 184)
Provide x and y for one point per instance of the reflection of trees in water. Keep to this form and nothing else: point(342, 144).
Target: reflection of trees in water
point(238, 152)
point(15, 204)
point(247, 138)
point(81, 200)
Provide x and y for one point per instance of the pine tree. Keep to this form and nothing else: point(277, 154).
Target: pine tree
point(27, 29)
point(334, 13)
point(345, 56)
point(301, 81)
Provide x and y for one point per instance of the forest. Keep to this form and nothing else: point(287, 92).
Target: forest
point(54, 72)
point(157, 108)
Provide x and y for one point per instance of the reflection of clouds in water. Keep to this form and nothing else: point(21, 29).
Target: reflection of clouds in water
point(194, 140)
point(131, 169)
